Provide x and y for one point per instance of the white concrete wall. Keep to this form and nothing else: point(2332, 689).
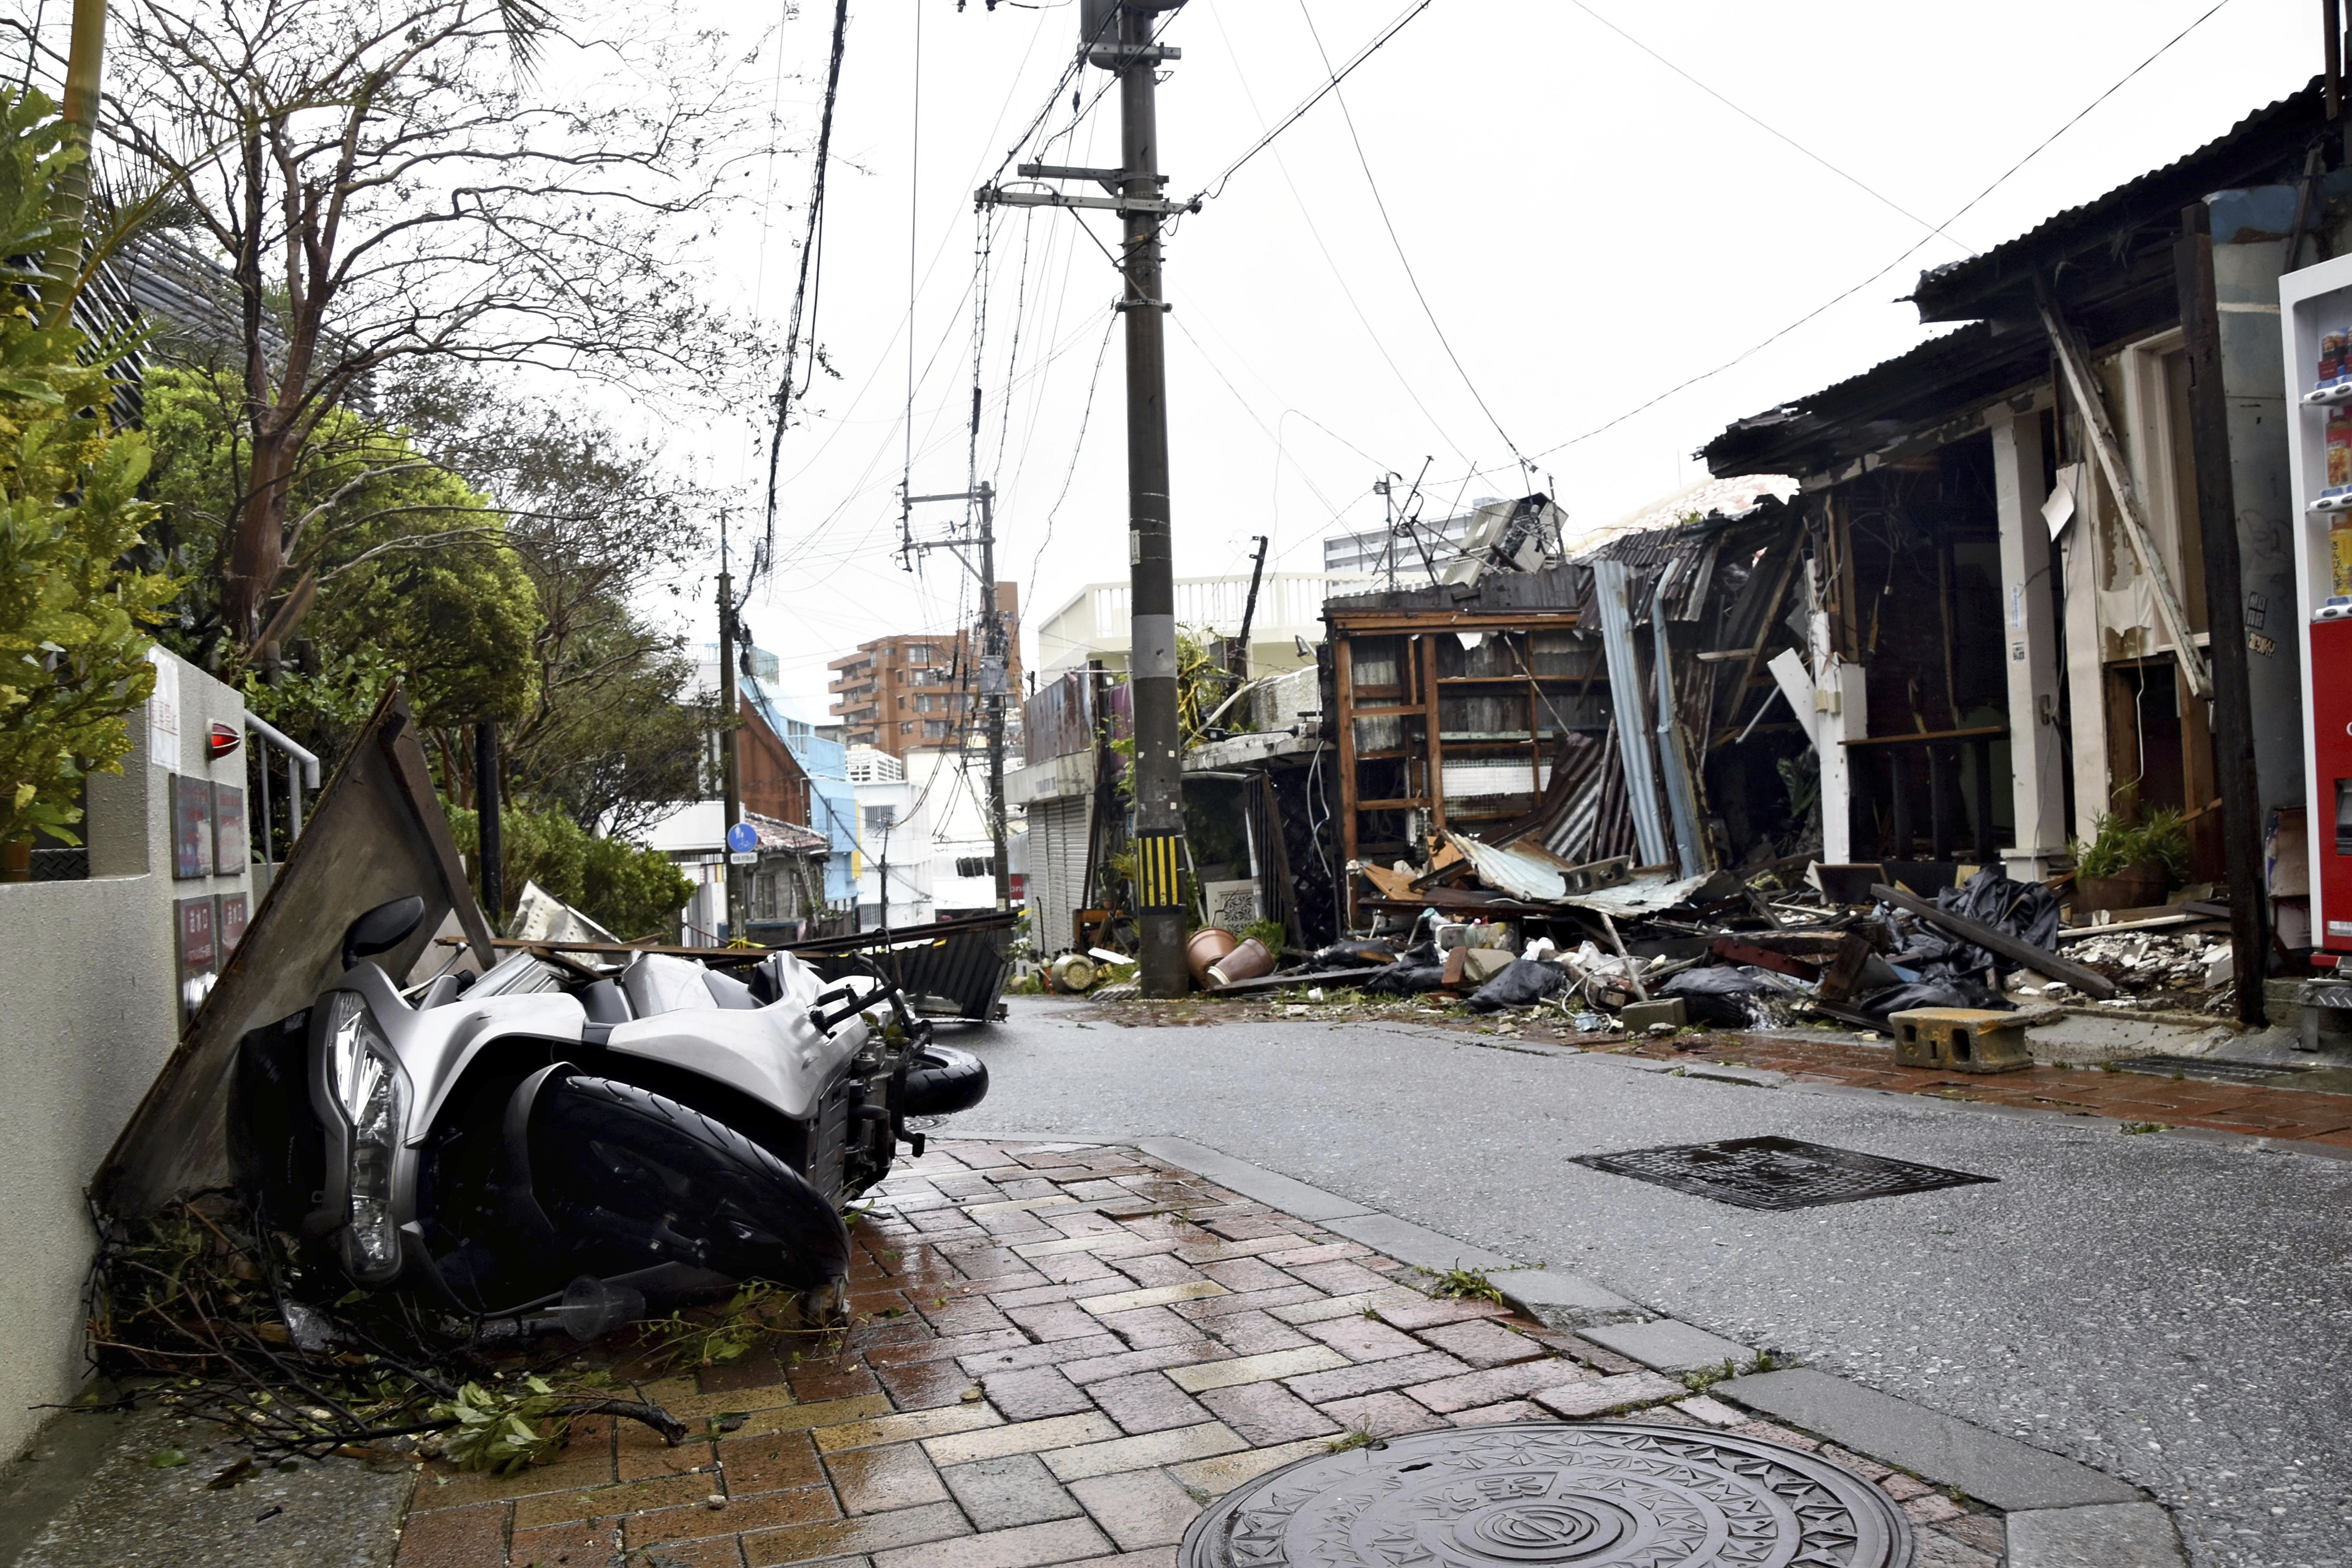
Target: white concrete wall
point(87, 1013)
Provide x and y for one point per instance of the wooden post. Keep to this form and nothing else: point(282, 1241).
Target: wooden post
point(2217, 512)
point(1343, 712)
point(2075, 362)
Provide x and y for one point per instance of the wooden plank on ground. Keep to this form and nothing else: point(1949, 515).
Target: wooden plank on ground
point(2042, 961)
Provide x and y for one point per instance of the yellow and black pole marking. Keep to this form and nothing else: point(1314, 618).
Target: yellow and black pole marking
point(1158, 884)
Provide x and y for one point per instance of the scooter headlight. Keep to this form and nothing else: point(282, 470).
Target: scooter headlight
point(373, 1095)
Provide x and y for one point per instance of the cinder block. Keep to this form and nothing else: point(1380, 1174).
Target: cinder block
point(1639, 1016)
point(1480, 964)
point(1960, 1039)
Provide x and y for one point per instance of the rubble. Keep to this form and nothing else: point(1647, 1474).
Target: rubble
point(1772, 949)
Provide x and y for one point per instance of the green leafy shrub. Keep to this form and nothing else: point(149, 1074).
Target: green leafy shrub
point(629, 890)
point(2117, 845)
point(73, 654)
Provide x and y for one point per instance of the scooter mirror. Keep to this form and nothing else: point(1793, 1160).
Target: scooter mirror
point(382, 929)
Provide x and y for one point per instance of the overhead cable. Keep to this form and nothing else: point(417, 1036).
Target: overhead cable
point(1389, 224)
point(1216, 187)
point(763, 557)
point(1839, 299)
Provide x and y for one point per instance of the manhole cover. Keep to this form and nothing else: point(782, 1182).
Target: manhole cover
point(1597, 1495)
point(1776, 1172)
point(925, 1123)
point(2211, 1071)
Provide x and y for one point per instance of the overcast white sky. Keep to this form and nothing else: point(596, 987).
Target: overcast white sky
point(1588, 227)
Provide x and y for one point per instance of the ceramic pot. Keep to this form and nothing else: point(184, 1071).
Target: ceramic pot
point(1246, 961)
point(1209, 945)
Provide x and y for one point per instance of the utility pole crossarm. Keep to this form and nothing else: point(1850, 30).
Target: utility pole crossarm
point(1156, 207)
point(1108, 179)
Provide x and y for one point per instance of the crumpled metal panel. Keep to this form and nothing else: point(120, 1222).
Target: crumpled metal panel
point(1525, 875)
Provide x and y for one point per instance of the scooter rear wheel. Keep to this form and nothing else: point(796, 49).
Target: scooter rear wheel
point(942, 1080)
point(631, 1179)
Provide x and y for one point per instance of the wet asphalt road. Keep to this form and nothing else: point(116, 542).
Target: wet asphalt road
point(2171, 1310)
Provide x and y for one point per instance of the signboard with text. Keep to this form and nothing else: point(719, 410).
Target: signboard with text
point(230, 850)
point(231, 925)
point(196, 935)
point(192, 826)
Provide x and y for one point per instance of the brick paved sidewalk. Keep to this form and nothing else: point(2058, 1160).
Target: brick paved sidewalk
point(1061, 1353)
point(2259, 1111)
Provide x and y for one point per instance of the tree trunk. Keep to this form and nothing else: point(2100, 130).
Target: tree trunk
point(256, 547)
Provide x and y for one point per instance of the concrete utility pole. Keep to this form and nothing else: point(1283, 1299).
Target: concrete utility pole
point(1151, 587)
point(992, 652)
point(1115, 34)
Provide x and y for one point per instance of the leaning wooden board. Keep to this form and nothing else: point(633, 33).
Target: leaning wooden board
point(2042, 961)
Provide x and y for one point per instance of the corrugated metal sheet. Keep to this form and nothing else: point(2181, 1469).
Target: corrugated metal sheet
point(955, 969)
point(1524, 871)
point(1057, 869)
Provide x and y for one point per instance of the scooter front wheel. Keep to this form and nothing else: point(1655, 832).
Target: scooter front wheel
point(631, 1179)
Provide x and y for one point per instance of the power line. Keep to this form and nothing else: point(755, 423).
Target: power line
point(1387, 223)
point(1086, 416)
point(1216, 187)
point(1769, 129)
point(763, 558)
point(1964, 208)
point(914, 215)
point(1330, 260)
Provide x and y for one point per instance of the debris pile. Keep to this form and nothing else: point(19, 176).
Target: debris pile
point(1615, 947)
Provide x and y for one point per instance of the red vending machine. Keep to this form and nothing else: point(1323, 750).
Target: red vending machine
point(2316, 317)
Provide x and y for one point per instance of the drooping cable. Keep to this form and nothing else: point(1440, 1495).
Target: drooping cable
point(1390, 224)
point(1216, 187)
point(1964, 208)
point(762, 557)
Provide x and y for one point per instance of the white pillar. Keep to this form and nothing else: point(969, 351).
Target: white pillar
point(2036, 760)
point(2086, 675)
point(1834, 708)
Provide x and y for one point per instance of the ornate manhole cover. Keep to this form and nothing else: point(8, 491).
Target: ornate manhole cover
point(1776, 1172)
point(1607, 1494)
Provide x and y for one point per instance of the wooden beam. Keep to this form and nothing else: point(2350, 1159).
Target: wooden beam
point(2074, 364)
point(2225, 608)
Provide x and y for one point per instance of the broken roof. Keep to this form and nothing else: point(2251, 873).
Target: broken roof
point(2109, 261)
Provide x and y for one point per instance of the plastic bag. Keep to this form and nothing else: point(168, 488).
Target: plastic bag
point(1523, 983)
point(1403, 978)
point(1716, 995)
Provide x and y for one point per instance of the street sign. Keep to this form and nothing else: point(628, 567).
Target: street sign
point(744, 858)
point(742, 837)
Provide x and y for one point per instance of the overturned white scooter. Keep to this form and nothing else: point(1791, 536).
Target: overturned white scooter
point(559, 1138)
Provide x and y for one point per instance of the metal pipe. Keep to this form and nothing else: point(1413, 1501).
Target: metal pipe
point(262, 728)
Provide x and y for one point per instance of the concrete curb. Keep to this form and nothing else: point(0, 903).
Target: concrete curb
point(2059, 1513)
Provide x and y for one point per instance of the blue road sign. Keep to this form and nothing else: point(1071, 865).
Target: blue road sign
point(742, 838)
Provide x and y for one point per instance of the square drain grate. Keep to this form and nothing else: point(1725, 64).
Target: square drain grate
point(1776, 1172)
point(2211, 1071)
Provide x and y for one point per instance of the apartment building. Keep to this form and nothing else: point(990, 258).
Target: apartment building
point(923, 690)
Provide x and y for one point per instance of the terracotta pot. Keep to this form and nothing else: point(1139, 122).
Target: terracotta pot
point(1209, 945)
point(2135, 888)
point(16, 861)
point(1246, 961)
